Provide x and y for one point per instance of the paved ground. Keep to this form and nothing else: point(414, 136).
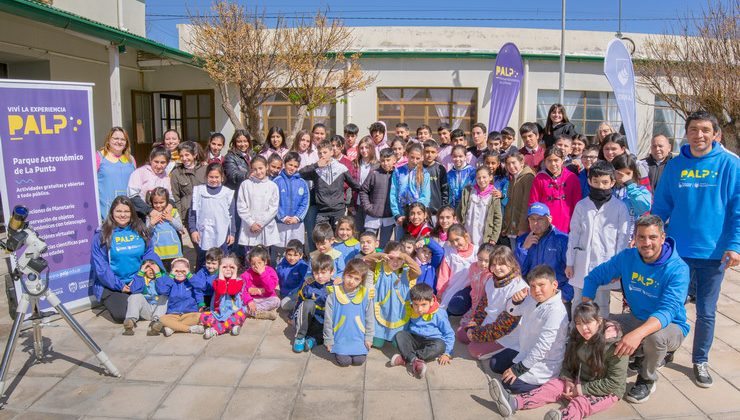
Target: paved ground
point(256, 375)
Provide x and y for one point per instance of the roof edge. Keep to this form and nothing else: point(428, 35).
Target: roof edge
point(471, 54)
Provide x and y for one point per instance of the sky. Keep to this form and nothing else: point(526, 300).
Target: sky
point(643, 16)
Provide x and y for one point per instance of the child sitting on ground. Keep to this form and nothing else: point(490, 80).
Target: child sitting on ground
point(368, 244)
point(349, 321)
point(309, 314)
point(260, 281)
point(533, 356)
point(394, 273)
point(429, 255)
point(184, 300)
point(428, 334)
point(591, 380)
point(144, 302)
point(291, 273)
point(478, 277)
point(323, 238)
point(490, 321)
point(452, 282)
point(209, 272)
point(228, 311)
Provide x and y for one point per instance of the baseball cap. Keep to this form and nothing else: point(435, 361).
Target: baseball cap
point(538, 209)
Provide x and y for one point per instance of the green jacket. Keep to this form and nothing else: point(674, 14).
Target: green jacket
point(492, 224)
point(614, 382)
point(515, 217)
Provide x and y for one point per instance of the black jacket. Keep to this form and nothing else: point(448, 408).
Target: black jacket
point(236, 169)
point(374, 193)
point(655, 170)
point(562, 128)
point(438, 185)
point(327, 193)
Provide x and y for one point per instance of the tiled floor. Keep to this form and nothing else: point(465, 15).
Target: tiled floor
point(256, 375)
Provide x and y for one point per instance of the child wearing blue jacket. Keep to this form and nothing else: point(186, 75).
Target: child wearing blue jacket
point(428, 334)
point(208, 273)
point(294, 198)
point(144, 302)
point(291, 273)
point(309, 313)
point(184, 300)
point(409, 184)
point(628, 189)
point(429, 255)
point(346, 243)
point(460, 176)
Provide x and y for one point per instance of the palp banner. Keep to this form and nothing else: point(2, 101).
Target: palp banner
point(507, 78)
point(46, 164)
point(621, 75)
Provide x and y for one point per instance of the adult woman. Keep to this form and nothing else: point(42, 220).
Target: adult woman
point(614, 145)
point(170, 141)
point(147, 178)
point(557, 124)
point(236, 162)
point(604, 130)
point(114, 165)
point(119, 248)
point(275, 143)
point(191, 171)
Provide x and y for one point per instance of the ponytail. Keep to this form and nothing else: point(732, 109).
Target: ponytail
point(416, 147)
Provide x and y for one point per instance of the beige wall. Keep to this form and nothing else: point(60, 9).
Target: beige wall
point(106, 11)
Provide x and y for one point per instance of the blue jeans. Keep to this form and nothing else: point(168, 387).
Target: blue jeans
point(460, 303)
point(504, 360)
point(708, 278)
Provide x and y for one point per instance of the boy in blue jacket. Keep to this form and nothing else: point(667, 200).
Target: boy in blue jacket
point(428, 334)
point(144, 302)
point(208, 273)
point(293, 206)
point(291, 273)
point(309, 314)
point(184, 300)
point(429, 255)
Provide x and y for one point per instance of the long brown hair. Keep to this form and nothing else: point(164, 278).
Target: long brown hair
point(367, 141)
point(416, 147)
point(587, 312)
point(106, 231)
point(126, 155)
point(548, 124)
point(297, 140)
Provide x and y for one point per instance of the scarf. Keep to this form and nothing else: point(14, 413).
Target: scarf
point(599, 196)
point(484, 193)
point(418, 231)
point(505, 280)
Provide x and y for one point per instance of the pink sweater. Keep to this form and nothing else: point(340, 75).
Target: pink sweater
point(268, 280)
point(560, 195)
point(478, 278)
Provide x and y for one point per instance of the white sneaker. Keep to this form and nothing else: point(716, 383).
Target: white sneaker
point(235, 330)
point(197, 329)
point(168, 331)
point(209, 333)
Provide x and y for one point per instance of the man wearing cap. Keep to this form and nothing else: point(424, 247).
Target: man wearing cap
point(544, 244)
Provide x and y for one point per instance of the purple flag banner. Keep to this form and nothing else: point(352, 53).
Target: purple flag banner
point(507, 78)
point(47, 165)
point(618, 70)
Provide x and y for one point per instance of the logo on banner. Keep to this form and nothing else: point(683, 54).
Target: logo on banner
point(72, 287)
point(623, 72)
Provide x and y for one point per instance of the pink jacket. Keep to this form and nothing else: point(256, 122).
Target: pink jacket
point(478, 278)
point(560, 195)
point(143, 180)
point(268, 280)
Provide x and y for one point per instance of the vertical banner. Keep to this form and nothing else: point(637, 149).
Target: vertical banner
point(618, 70)
point(507, 78)
point(46, 164)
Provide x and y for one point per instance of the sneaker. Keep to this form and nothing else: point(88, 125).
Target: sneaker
point(505, 403)
point(634, 365)
point(310, 343)
point(235, 330)
point(668, 358)
point(419, 368)
point(209, 333)
point(155, 327)
point(271, 315)
point(554, 415)
point(299, 344)
point(397, 360)
point(168, 331)
point(197, 329)
point(702, 376)
point(690, 299)
point(286, 303)
point(128, 326)
point(640, 391)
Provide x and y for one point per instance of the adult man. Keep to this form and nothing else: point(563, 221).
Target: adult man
point(655, 282)
point(544, 244)
point(660, 154)
point(699, 195)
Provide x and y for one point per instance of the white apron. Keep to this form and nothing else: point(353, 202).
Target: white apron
point(212, 212)
point(459, 268)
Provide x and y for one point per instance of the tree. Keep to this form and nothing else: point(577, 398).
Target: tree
point(238, 49)
point(323, 72)
point(698, 68)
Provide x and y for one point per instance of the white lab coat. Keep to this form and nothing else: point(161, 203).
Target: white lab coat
point(596, 236)
point(541, 339)
point(258, 202)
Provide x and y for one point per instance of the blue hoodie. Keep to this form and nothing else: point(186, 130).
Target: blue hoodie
point(205, 278)
point(700, 199)
point(114, 268)
point(652, 290)
point(291, 277)
point(549, 250)
point(434, 324)
point(294, 196)
point(457, 180)
point(183, 296)
point(404, 190)
point(429, 270)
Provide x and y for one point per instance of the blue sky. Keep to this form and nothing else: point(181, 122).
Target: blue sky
point(645, 16)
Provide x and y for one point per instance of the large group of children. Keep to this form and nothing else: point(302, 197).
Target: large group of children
point(399, 235)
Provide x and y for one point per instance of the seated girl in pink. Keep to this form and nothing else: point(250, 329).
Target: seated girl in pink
point(260, 281)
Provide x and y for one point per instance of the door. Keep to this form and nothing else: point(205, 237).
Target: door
point(143, 134)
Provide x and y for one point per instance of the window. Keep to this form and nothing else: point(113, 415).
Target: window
point(280, 112)
point(668, 122)
point(198, 115)
point(585, 109)
point(170, 112)
point(432, 106)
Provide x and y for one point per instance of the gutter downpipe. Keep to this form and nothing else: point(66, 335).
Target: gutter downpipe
point(114, 80)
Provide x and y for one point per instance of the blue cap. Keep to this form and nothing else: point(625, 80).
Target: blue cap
point(538, 209)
